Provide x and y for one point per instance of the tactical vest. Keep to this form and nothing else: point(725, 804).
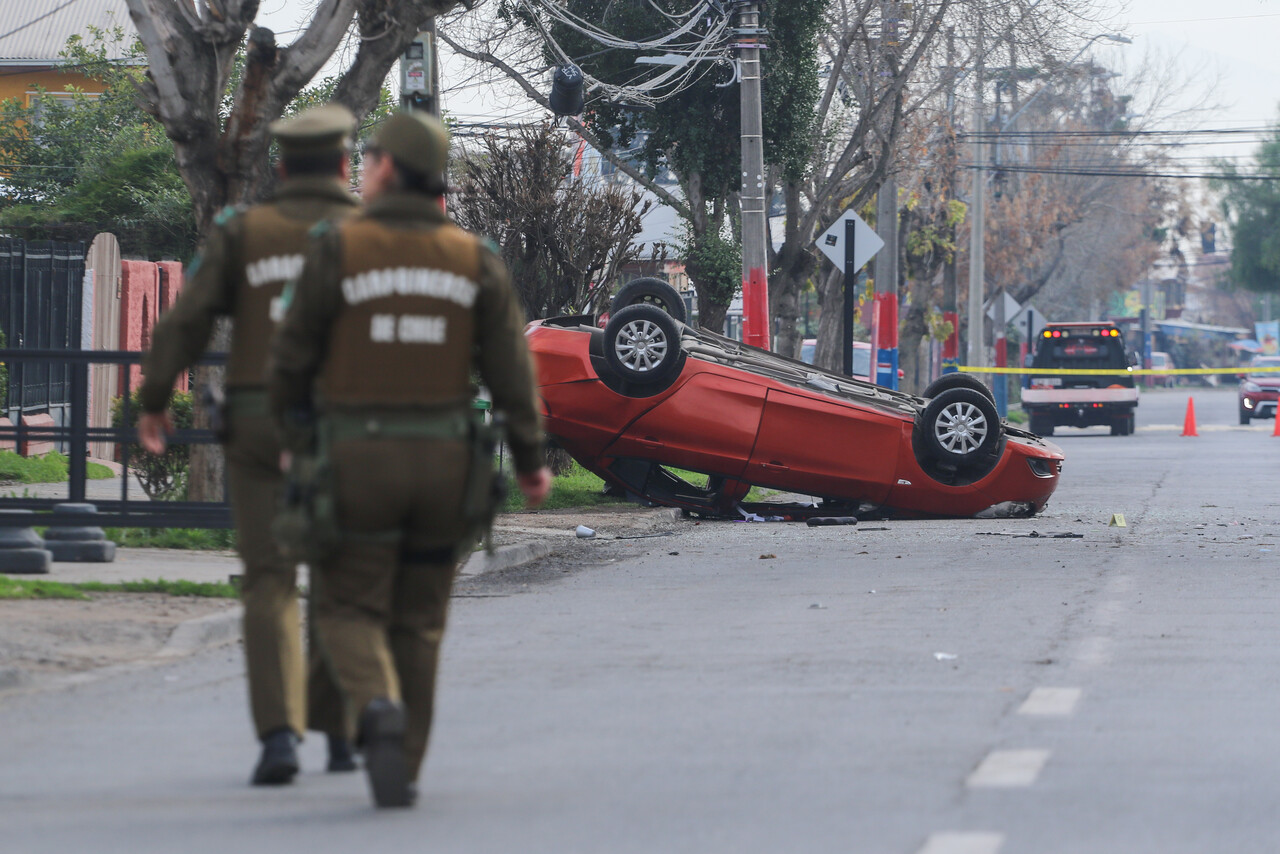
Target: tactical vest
point(406, 331)
point(271, 247)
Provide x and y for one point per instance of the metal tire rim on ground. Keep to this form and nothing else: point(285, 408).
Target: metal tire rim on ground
point(960, 428)
point(641, 345)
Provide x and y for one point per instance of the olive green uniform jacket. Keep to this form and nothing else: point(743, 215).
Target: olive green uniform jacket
point(240, 273)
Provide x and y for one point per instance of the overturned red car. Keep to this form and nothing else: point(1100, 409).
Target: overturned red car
point(648, 394)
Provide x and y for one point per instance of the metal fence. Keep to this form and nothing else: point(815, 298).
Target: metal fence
point(41, 290)
point(76, 433)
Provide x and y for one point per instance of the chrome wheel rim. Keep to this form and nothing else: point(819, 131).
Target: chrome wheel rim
point(961, 428)
point(641, 346)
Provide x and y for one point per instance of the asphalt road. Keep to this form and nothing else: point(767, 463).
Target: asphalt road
point(949, 687)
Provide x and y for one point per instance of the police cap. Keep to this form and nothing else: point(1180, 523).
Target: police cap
point(316, 130)
point(417, 141)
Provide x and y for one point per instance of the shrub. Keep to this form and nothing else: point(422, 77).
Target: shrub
point(162, 476)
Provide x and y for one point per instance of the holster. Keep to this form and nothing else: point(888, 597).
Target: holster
point(305, 529)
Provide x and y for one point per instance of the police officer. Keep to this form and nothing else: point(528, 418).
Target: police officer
point(240, 273)
point(394, 310)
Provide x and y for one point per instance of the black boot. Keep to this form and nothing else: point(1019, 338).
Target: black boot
point(341, 756)
point(279, 762)
point(382, 738)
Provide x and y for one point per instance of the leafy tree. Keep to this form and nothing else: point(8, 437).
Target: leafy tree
point(82, 165)
point(562, 237)
point(1251, 201)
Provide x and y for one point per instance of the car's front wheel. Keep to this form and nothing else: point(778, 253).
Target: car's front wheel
point(642, 345)
point(960, 429)
point(1244, 416)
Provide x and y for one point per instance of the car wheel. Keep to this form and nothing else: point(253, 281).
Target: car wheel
point(960, 427)
point(642, 345)
point(650, 291)
point(1244, 417)
point(957, 380)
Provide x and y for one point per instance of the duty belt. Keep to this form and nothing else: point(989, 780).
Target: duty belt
point(340, 426)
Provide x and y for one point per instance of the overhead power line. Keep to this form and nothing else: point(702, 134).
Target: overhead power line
point(1121, 172)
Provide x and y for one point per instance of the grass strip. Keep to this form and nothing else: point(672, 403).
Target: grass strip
point(196, 539)
point(22, 588)
point(50, 468)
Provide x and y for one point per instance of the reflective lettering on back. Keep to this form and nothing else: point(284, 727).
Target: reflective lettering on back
point(409, 282)
point(276, 268)
point(408, 329)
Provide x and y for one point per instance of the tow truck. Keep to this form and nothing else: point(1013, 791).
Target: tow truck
point(1076, 398)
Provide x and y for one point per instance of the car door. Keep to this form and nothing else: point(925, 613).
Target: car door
point(819, 446)
point(708, 424)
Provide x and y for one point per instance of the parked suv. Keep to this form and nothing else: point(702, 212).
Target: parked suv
point(1259, 390)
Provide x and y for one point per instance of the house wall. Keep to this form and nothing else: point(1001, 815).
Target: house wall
point(19, 82)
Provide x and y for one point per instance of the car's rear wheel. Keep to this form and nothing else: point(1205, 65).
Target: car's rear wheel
point(960, 429)
point(650, 291)
point(642, 345)
point(957, 380)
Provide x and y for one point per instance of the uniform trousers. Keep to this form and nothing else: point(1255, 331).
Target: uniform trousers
point(382, 599)
point(283, 690)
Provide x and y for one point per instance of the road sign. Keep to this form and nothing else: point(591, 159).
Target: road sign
point(866, 242)
point(1010, 307)
point(1038, 321)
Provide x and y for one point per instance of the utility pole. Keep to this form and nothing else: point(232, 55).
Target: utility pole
point(885, 333)
point(950, 288)
point(977, 270)
point(755, 284)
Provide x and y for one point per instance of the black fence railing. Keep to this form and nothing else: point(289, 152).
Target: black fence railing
point(75, 434)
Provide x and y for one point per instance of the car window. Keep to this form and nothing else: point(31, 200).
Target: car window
point(1082, 353)
point(861, 362)
point(807, 349)
point(1268, 362)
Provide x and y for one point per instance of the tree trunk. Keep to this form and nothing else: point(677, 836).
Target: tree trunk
point(914, 330)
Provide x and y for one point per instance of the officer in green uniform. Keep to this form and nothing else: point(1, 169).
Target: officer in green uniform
point(394, 310)
point(240, 273)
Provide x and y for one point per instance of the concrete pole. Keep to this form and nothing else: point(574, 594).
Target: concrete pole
point(886, 314)
point(755, 285)
point(977, 213)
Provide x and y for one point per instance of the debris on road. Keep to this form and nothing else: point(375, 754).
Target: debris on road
point(824, 521)
point(768, 557)
point(945, 656)
point(585, 533)
point(1034, 535)
point(1117, 521)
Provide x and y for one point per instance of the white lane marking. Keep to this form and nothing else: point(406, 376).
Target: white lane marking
point(963, 843)
point(1050, 701)
point(1008, 768)
point(1094, 652)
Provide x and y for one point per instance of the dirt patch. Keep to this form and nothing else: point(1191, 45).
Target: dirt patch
point(44, 637)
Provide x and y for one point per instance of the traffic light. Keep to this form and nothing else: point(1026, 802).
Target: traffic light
point(566, 90)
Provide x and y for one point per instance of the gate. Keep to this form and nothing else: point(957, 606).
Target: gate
point(41, 285)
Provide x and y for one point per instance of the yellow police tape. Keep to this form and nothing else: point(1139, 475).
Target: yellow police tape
point(1128, 372)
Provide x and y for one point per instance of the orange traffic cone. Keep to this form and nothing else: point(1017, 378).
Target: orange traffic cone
point(1189, 424)
point(1275, 429)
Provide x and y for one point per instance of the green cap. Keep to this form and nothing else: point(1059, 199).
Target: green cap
point(417, 141)
point(330, 127)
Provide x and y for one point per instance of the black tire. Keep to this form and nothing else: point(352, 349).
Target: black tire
point(650, 291)
point(960, 427)
point(957, 380)
point(1244, 417)
point(642, 345)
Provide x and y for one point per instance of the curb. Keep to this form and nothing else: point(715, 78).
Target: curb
point(201, 632)
point(504, 557)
